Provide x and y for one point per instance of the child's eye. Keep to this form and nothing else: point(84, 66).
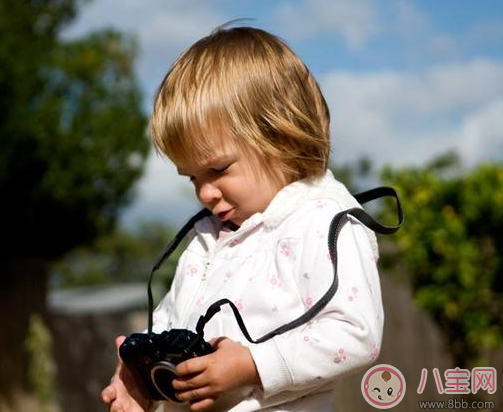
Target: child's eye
point(221, 170)
point(390, 391)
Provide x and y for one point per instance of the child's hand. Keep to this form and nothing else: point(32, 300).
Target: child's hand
point(122, 395)
point(205, 378)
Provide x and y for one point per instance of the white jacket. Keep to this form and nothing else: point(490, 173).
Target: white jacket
point(275, 267)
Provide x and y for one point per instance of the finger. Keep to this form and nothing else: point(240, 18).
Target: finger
point(118, 342)
point(108, 394)
point(216, 341)
point(116, 407)
point(202, 404)
point(192, 366)
point(189, 382)
point(192, 395)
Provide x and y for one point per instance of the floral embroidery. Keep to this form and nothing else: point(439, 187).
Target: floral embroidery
point(275, 280)
point(340, 356)
point(353, 294)
point(320, 203)
point(192, 270)
point(159, 318)
point(239, 304)
point(285, 249)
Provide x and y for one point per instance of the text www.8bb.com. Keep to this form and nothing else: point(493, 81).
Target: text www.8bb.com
point(456, 404)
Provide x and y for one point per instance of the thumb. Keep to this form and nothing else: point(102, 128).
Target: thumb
point(215, 342)
point(118, 342)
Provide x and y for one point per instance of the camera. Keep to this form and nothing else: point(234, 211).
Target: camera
point(153, 357)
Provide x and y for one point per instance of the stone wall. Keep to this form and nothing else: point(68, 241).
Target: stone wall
point(84, 324)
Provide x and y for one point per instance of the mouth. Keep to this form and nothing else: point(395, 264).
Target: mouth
point(225, 215)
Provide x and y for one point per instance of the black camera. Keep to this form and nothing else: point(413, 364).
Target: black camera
point(153, 357)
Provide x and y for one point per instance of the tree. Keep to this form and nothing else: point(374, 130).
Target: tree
point(450, 248)
point(120, 256)
point(73, 143)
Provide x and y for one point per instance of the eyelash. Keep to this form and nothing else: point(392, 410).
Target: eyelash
point(220, 170)
point(192, 178)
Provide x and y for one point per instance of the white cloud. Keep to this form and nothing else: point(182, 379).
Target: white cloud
point(397, 117)
point(481, 134)
point(162, 195)
point(410, 20)
point(163, 30)
point(403, 118)
point(354, 20)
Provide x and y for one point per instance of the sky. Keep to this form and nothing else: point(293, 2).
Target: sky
point(405, 80)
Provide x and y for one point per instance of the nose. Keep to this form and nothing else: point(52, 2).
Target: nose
point(208, 193)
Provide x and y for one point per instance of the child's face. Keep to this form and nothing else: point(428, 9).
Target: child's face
point(233, 184)
point(384, 391)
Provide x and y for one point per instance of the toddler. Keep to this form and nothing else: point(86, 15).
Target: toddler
point(242, 117)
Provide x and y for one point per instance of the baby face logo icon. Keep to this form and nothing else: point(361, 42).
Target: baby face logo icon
point(383, 386)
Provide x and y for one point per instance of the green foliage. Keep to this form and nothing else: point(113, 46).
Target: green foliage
point(42, 370)
point(354, 176)
point(120, 256)
point(71, 126)
point(450, 247)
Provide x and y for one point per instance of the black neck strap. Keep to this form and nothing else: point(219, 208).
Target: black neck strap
point(169, 250)
point(335, 228)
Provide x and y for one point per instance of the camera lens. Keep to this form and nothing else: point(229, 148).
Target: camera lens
point(162, 373)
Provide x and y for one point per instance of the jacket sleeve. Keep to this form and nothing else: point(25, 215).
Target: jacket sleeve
point(346, 335)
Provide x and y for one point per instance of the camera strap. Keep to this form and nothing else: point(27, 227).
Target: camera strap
point(169, 250)
point(336, 226)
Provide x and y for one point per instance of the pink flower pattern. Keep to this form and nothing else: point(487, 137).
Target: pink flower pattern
point(340, 356)
point(239, 304)
point(285, 249)
point(159, 318)
point(320, 203)
point(353, 294)
point(275, 280)
point(228, 275)
point(192, 270)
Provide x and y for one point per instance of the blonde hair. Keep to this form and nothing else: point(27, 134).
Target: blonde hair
point(247, 84)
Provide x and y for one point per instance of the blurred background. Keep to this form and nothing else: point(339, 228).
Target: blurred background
point(415, 90)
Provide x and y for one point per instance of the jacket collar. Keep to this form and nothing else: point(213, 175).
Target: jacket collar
point(287, 201)
point(294, 195)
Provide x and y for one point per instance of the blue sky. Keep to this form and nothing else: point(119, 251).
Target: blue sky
point(405, 80)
